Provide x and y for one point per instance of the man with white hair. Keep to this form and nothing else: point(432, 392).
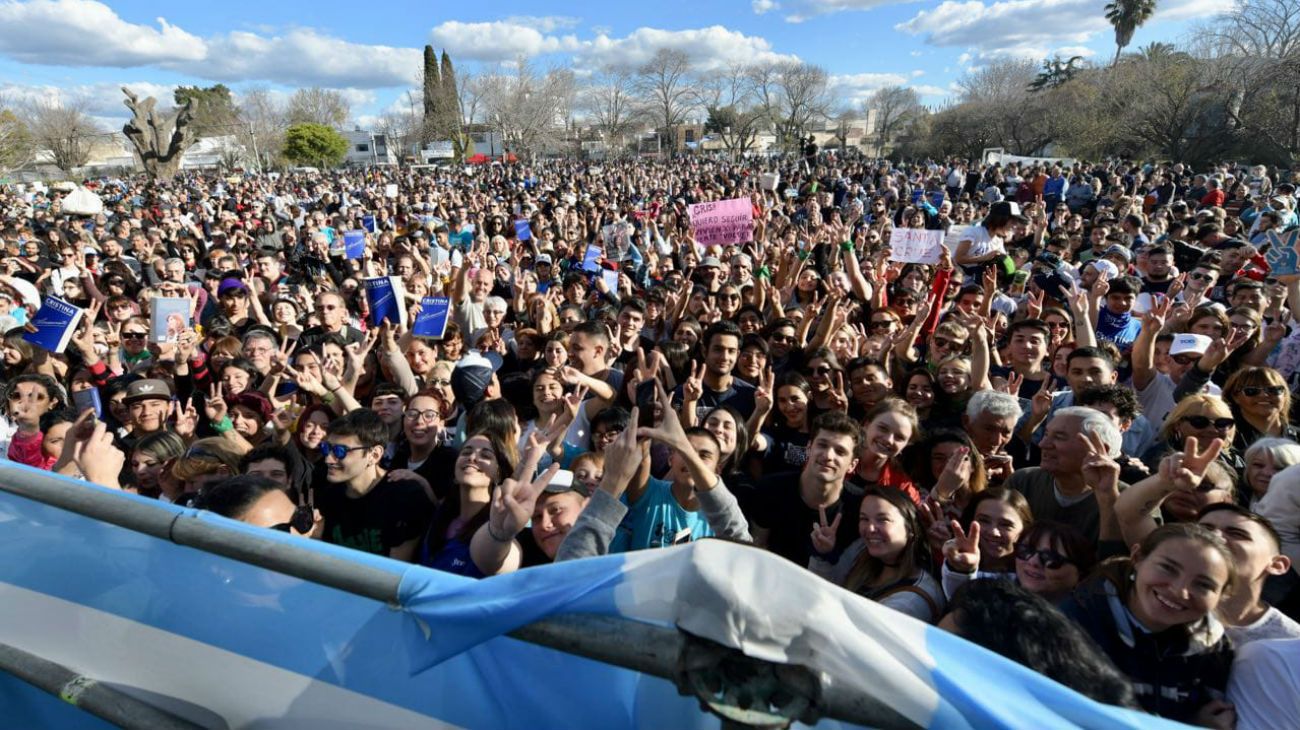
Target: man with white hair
point(1059, 488)
point(990, 421)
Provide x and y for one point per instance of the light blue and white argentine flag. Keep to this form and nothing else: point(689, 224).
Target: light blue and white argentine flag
point(227, 644)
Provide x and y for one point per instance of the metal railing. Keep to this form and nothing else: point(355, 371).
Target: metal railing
point(653, 650)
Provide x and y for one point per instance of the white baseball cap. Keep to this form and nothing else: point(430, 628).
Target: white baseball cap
point(1187, 342)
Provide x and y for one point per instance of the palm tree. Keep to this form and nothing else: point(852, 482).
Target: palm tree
point(1127, 16)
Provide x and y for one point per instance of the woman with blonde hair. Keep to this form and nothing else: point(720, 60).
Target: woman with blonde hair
point(1203, 417)
point(1261, 402)
point(206, 461)
point(1265, 458)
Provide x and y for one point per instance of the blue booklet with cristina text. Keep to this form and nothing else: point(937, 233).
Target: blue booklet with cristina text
point(432, 320)
point(168, 318)
point(385, 293)
point(1283, 255)
point(522, 232)
point(53, 325)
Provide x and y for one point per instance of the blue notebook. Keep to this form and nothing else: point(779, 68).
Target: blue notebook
point(368, 223)
point(522, 232)
point(168, 318)
point(591, 260)
point(54, 325)
point(432, 320)
point(354, 244)
point(384, 293)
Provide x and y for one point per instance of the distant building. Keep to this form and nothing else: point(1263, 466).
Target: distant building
point(368, 148)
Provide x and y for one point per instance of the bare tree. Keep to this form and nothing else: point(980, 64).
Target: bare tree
point(318, 106)
point(727, 96)
point(792, 95)
point(470, 89)
point(403, 125)
point(611, 106)
point(1000, 94)
point(665, 86)
point(262, 123)
point(530, 109)
point(895, 108)
point(65, 129)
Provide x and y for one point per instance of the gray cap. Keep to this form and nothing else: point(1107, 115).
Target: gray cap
point(710, 262)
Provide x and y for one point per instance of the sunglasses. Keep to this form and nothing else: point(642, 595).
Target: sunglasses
point(1185, 359)
point(1049, 558)
point(947, 343)
point(882, 323)
point(301, 522)
point(1203, 422)
point(1254, 391)
point(134, 335)
point(1207, 485)
point(1198, 276)
point(338, 451)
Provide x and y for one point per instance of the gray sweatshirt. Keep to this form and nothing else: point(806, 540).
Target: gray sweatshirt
point(592, 534)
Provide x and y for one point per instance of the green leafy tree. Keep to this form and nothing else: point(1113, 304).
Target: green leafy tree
point(215, 113)
point(1055, 73)
point(314, 144)
point(449, 100)
point(15, 141)
point(1127, 16)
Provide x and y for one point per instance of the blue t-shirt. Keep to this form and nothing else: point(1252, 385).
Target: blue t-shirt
point(1121, 329)
point(657, 520)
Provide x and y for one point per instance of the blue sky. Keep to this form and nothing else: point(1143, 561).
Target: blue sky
point(370, 50)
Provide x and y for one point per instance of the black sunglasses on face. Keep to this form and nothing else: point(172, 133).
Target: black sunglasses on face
point(1203, 422)
point(133, 335)
point(301, 522)
point(1049, 558)
point(1254, 391)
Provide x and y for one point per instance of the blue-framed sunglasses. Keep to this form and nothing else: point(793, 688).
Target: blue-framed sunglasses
point(339, 451)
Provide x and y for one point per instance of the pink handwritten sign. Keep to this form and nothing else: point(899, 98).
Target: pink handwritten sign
point(723, 222)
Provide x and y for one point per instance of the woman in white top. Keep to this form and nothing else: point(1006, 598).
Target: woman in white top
point(987, 241)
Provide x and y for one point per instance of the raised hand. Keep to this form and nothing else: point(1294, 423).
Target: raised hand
point(622, 459)
point(764, 394)
point(513, 502)
point(669, 431)
point(823, 532)
point(1034, 303)
point(937, 530)
point(963, 551)
point(1011, 386)
point(693, 386)
point(1187, 469)
point(1041, 404)
point(838, 395)
point(1157, 315)
point(215, 407)
point(955, 475)
point(1100, 471)
point(1221, 349)
point(187, 421)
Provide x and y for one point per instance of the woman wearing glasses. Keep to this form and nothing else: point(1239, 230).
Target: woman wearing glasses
point(422, 449)
point(1261, 402)
point(1203, 417)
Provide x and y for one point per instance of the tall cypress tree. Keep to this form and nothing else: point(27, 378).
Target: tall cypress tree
point(432, 94)
point(450, 103)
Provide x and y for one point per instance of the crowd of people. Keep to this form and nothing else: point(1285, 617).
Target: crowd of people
point(1071, 438)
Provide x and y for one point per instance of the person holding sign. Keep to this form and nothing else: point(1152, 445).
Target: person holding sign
point(986, 242)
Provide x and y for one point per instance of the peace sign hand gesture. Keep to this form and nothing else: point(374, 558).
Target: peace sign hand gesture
point(763, 395)
point(1041, 404)
point(1186, 470)
point(215, 407)
point(512, 504)
point(1100, 471)
point(838, 395)
point(693, 387)
point(823, 532)
point(963, 551)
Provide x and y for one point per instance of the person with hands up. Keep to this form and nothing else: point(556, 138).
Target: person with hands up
point(494, 548)
point(889, 562)
point(986, 547)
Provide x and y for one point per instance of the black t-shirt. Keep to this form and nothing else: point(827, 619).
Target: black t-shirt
point(438, 469)
point(775, 505)
point(393, 512)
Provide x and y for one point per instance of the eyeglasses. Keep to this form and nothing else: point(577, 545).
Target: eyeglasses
point(339, 451)
point(134, 335)
point(301, 522)
point(1254, 391)
point(430, 416)
point(1049, 558)
point(1203, 422)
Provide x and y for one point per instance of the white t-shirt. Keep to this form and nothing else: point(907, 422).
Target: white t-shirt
point(1264, 685)
point(981, 243)
point(1157, 399)
point(1272, 625)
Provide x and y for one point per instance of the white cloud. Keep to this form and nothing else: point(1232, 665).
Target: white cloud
point(88, 33)
point(1072, 51)
point(801, 10)
point(304, 57)
point(498, 40)
point(938, 91)
point(763, 6)
point(857, 87)
point(918, 72)
point(914, 54)
point(546, 23)
point(712, 47)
